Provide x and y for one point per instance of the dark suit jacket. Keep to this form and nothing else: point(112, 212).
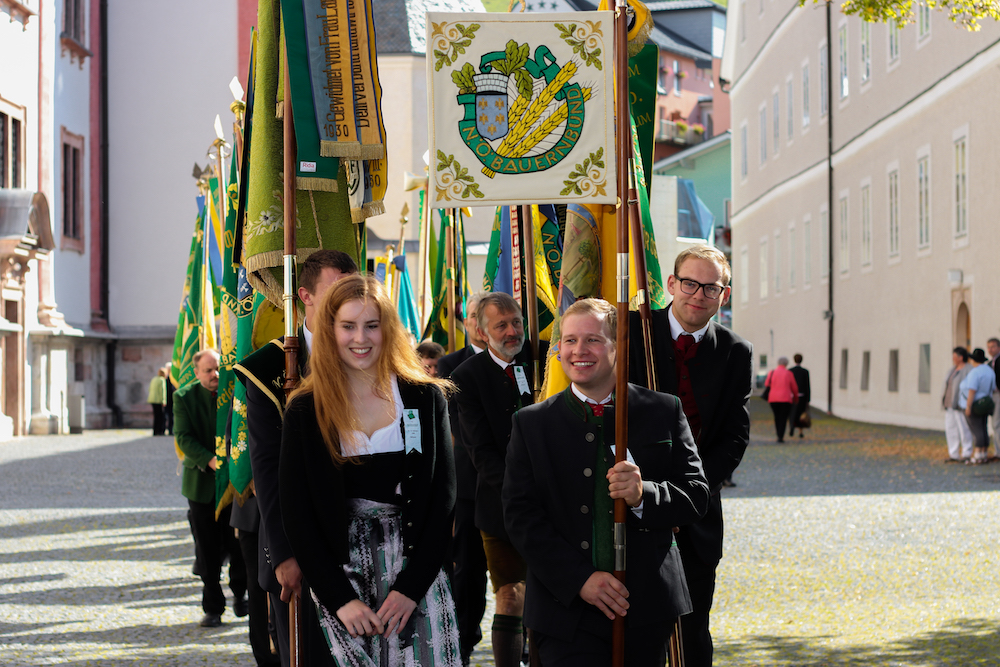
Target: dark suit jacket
point(194, 432)
point(721, 378)
point(314, 508)
point(548, 499)
point(465, 472)
point(485, 407)
point(801, 376)
point(263, 374)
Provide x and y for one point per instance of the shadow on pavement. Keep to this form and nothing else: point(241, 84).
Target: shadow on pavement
point(150, 536)
point(88, 596)
point(137, 473)
point(965, 641)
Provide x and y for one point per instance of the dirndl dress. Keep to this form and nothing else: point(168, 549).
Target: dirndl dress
point(430, 637)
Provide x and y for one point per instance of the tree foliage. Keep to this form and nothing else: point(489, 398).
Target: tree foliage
point(963, 12)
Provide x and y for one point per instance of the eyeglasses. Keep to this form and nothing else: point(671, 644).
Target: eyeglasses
point(691, 287)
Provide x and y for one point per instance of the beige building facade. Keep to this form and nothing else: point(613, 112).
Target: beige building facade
point(864, 200)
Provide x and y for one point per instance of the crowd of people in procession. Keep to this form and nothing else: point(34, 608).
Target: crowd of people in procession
point(394, 478)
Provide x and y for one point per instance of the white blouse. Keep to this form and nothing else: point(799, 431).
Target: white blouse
point(387, 439)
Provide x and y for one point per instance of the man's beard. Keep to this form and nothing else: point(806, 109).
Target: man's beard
point(510, 348)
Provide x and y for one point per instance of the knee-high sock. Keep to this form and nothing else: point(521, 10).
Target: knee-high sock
point(507, 640)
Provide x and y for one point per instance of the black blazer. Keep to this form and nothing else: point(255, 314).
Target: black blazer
point(548, 499)
point(465, 472)
point(485, 406)
point(721, 378)
point(263, 375)
point(314, 507)
point(801, 376)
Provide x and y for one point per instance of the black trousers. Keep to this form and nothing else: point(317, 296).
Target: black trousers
point(212, 540)
point(797, 410)
point(696, 635)
point(781, 412)
point(469, 576)
point(643, 648)
point(315, 650)
point(257, 597)
point(159, 419)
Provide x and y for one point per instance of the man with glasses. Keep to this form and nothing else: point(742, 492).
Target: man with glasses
point(709, 368)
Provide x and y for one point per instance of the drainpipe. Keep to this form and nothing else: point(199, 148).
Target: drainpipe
point(829, 208)
point(112, 348)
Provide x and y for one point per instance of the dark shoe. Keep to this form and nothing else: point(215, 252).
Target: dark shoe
point(951, 460)
point(781, 439)
point(801, 434)
point(211, 621)
point(729, 483)
point(241, 607)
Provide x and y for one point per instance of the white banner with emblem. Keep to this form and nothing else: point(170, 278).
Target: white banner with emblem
point(521, 108)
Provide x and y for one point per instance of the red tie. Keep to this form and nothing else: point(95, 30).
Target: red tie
point(509, 370)
point(684, 343)
point(598, 408)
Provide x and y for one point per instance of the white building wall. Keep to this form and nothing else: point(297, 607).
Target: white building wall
point(940, 88)
point(169, 68)
point(71, 110)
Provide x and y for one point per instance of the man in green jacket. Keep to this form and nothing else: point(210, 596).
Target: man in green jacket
point(194, 429)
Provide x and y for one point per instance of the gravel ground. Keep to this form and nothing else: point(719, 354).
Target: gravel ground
point(854, 546)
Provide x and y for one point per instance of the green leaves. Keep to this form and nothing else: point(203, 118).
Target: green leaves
point(524, 83)
point(463, 78)
point(515, 58)
point(460, 175)
point(456, 45)
point(581, 173)
point(569, 35)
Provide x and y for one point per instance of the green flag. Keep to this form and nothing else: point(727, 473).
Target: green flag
point(642, 71)
point(229, 299)
point(323, 218)
point(190, 320)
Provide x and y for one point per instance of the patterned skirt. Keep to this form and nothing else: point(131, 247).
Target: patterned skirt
point(430, 637)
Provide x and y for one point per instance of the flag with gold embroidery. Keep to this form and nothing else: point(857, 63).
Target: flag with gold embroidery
point(521, 108)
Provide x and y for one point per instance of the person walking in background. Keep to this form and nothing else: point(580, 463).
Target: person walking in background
point(783, 393)
point(194, 416)
point(169, 404)
point(956, 428)
point(367, 486)
point(801, 406)
point(980, 383)
point(429, 353)
point(158, 400)
point(993, 350)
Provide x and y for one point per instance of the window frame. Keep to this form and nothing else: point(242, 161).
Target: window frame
point(844, 223)
point(13, 158)
point(805, 96)
point(960, 193)
point(843, 69)
point(892, 217)
point(924, 204)
point(866, 224)
point(72, 229)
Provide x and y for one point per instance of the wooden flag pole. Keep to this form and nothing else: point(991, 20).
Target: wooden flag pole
point(622, 145)
point(641, 276)
point(530, 290)
point(450, 280)
point(291, 328)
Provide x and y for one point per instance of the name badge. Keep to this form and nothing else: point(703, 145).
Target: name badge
point(522, 380)
point(411, 430)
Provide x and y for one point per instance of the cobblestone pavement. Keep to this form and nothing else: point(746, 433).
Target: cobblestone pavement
point(854, 546)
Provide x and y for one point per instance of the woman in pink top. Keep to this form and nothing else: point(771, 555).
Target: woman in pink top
point(782, 395)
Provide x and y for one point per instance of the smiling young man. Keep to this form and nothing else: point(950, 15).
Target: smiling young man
point(558, 495)
point(709, 368)
point(492, 386)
